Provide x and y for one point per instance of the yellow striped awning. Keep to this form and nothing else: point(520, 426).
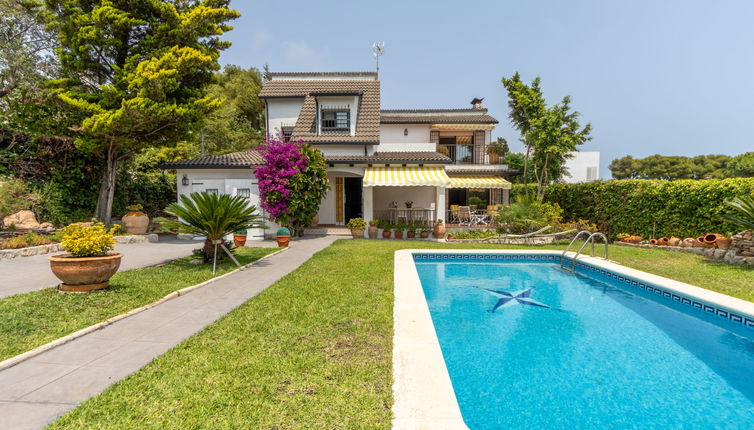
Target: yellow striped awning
point(405, 177)
point(478, 181)
point(465, 126)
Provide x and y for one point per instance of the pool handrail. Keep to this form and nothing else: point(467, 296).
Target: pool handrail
point(575, 238)
point(591, 239)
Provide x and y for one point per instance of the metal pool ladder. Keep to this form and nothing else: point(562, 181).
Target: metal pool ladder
point(589, 239)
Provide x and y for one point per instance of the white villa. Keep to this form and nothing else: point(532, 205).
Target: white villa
point(378, 159)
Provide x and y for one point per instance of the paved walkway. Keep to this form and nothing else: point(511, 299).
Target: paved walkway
point(35, 392)
point(24, 274)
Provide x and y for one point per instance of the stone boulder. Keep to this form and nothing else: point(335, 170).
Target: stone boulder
point(22, 220)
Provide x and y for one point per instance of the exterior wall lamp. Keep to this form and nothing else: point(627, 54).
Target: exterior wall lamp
point(405, 132)
point(185, 180)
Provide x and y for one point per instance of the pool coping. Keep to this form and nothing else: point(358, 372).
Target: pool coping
point(422, 391)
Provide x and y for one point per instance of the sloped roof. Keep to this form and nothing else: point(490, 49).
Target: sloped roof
point(367, 121)
point(436, 116)
point(235, 160)
point(387, 157)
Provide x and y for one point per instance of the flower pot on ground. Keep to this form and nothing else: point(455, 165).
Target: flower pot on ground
point(425, 233)
point(411, 232)
point(398, 233)
point(374, 228)
point(699, 242)
point(135, 221)
point(89, 263)
point(674, 241)
point(663, 241)
point(386, 229)
point(283, 237)
point(723, 242)
point(710, 239)
point(688, 242)
point(653, 241)
point(357, 226)
point(239, 237)
point(439, 231)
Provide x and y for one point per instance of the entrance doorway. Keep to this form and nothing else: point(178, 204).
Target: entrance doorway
point(352, 204)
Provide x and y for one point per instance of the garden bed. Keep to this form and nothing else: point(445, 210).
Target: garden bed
point(8, 254)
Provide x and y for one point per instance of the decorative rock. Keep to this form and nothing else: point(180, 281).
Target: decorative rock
point(22, 220)
point(718, 254)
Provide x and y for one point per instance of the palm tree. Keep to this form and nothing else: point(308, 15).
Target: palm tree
point(214, 217)
point(743, 208)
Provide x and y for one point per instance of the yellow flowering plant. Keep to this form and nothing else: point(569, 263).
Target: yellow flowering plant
point(88, 239)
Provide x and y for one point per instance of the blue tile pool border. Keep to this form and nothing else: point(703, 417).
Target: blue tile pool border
point(692, 302)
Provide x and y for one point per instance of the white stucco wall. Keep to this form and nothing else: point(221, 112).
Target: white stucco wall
point(580, 165)
point(282, 112)
point(392, 137)
point(344, 149)
point(422, 197)
point(327, 207)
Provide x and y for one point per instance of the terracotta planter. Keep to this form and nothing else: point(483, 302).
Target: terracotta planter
point(699, 242)
point(723, 242)
point(135, 222)
point(386, 234)
point(315, 221)
point(653, 241)
point(494, 158)
point(372, 231)
point(83, 274)
point(283, 240)
point(688, 242)
point(399, 234)
point(674, 241)
point(710, 239)
point(439, 231)
point(663, 241)
point(424, 234)
point(411, 234)
point(239, 240)
point(357, 233)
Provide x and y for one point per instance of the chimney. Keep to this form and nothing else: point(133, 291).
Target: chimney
point(477, 103)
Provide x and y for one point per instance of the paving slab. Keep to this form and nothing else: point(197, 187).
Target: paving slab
point(35, 392)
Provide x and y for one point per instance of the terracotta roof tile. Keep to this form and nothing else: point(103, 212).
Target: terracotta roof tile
point(436, 116)
point(391, 157)
point(235, 160)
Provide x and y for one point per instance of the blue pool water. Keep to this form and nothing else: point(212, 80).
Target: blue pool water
point(569, 351)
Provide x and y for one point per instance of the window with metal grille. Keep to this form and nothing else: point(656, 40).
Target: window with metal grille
point(211, 191)
point(336, 119)
point(243, 192)
point(287, 132)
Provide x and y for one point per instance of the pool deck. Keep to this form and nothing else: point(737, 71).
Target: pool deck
point(422, 390)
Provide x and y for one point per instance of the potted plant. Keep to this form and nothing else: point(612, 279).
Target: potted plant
point(88, 263)
point(283, 237)
point(357, 226)
point(398, 230)
point(411, 231)
point(239, 237)
point(374, 227)
point(497, 150)
point(439, 230)
point(425, 230)
point(135, 221)
point(409, 203)
point(386, 229)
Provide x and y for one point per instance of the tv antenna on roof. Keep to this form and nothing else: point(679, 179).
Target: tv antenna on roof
point(378, 49)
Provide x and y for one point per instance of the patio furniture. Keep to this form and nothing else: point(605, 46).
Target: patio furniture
point(479, 217)
point(464, 215)
point(454, 214)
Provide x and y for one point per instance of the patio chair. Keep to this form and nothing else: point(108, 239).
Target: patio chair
point(454, 214)
point(464, 215)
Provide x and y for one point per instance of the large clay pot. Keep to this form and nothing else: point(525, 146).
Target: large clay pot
point(653, 241)
point(386, 234)
point(699, 242)
point(439, 231)
point(663, 241)
point(723, 242)
point(83, 274)
point(424, 234)
point(372, 232)
point(411, 234)
point(674, 241)
point(398, 234)
point(239, 240)
point(710, 239)
point(688, 242)
point(357, 233)
point(283, 240)
point(135, 222)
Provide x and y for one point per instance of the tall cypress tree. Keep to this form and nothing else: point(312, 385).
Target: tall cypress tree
point(136, 71)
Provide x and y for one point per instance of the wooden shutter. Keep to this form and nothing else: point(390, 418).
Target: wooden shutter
point(434, 137)
point(479, 146)
point(496, 196)
point(339, 200)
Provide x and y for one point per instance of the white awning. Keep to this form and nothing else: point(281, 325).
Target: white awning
point(405, 177)
point(465, 126)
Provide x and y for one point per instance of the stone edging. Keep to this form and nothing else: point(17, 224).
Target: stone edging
point(10, 362)
point(714, 253)
point(9, 254)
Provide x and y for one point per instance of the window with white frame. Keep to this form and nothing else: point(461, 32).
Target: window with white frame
point(591, 173)
point(286, 131)
point(244, 192)
point(211, 191)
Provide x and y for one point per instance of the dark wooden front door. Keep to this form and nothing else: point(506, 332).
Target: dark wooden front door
point(352, 188)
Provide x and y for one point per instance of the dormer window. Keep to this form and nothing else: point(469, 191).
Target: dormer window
point(286, 131)
point(336, 118)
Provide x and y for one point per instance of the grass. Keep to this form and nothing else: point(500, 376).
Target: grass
point(32, 319)
point(313, 350)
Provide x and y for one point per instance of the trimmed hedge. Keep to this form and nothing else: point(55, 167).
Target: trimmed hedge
point(651, 208)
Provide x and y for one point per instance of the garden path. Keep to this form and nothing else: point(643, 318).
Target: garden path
point(35, 392)
point(24, 274)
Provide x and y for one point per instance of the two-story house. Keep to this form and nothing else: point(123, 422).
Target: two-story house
point(378, 159)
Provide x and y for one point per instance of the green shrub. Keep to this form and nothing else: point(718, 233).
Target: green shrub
point(356, 223)
point(14, 197)
point(743, 216)
point(474, 234)
point(683, 208)
point(24, 241)
point(527, 215)
point(283, 231)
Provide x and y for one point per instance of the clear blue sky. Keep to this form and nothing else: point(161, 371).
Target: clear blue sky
point(669, 77)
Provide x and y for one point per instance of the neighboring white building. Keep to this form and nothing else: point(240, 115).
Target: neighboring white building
point(378, 159)
point(583, 167)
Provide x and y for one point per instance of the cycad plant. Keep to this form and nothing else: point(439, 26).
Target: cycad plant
point(214, 217)
point(743, 212)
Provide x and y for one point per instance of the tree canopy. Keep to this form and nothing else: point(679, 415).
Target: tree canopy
point(742, 165)
point(549, 133)
point(135, 73)
point(672, 167)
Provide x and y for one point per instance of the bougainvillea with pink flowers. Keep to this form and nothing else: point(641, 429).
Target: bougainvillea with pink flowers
point(292, 183)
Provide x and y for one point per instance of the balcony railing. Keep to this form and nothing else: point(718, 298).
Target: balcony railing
point(460, 154)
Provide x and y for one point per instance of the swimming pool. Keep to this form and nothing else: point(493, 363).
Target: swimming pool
point(529, 345)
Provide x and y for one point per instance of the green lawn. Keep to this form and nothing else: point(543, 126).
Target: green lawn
point(313, 351)
point(33, 319)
